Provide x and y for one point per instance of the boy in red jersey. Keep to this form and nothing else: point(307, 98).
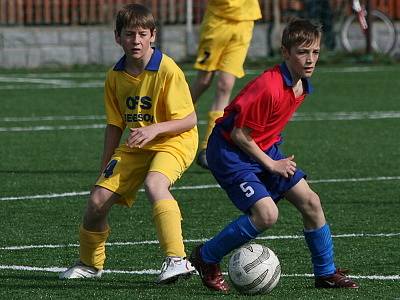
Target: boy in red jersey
point(244, 157)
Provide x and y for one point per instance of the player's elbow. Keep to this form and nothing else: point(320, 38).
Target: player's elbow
point(235, 136)
point(192, 120)
point(238, 136)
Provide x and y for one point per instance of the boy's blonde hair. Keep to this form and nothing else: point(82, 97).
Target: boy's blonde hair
point(300, 31)
point(134, 15)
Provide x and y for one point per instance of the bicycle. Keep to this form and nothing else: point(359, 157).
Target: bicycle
point(354, 29)
point(348, 30)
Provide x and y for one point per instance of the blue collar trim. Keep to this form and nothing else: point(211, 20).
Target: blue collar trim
point(153, 64)
point(120, 65)
point(155, 61)
point(287, 77)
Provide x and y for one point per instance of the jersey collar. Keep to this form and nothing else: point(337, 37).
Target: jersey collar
point(152, 65)
point(287, 77)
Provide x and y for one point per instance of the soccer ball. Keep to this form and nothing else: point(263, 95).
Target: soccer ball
point(254, 269)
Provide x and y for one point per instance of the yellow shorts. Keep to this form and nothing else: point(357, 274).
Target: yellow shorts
point(223, 45)
point(127, 170)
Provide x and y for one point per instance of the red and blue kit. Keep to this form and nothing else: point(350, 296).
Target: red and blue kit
point(265, 106)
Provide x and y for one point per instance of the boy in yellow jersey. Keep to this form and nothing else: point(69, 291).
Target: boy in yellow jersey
point(145, 94)
point(225, 36)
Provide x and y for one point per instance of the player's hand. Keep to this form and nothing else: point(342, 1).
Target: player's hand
point(285, 167)
point(139, 137)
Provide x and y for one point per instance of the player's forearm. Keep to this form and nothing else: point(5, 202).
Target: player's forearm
point(174, 127)
point(112, 138)
point(241, 137)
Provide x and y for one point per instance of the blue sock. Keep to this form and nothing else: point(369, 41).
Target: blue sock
point(236, 234)
point(320, 243)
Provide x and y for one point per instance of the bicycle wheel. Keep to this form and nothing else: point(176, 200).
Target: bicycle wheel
point(383, 34)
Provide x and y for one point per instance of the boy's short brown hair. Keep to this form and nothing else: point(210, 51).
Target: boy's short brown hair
point(134, 15)
point(300, 31)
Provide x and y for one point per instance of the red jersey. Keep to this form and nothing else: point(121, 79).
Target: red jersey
point(265, 105)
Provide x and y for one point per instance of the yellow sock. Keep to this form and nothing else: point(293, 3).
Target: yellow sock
point(212, 116)
point(167, 218)
point(92, 247)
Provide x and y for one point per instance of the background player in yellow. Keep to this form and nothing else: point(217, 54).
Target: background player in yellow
point(225, 36)
point(147, 95)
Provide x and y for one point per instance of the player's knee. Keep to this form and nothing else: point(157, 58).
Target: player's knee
point(154, 183)
point(312, 208)
point(265, 219)
point(225, 86)
point(149, 186)
point(203, 81)
point(96, 206)
point(313, 204)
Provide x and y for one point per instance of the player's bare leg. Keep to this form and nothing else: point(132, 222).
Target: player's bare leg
point(224, 90)
point(98, 206)
point(222, 97)
point(201, 84)
point(308, 204)
point(264, 213)
point(318, 238)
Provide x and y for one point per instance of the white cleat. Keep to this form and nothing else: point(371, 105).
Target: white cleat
point(80, 270)
point(174, 267)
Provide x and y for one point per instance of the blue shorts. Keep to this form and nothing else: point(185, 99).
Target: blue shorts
point(245, 180)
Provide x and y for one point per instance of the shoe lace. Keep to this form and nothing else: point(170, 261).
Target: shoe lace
point(342, 279)
point(342, 272)
point(165, 265)
point(169, 261)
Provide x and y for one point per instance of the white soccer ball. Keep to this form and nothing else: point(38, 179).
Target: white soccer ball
point(254, 269)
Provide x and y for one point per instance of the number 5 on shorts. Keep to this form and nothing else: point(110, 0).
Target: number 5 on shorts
point(247, 190)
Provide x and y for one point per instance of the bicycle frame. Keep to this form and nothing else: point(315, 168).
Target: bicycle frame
point(366, 28)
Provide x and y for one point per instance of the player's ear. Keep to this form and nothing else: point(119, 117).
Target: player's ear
point(117, 37)
point(153, 35)
point(285, 52)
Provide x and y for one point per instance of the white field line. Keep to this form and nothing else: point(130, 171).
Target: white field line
point(310, 116)
point(196, 241)
point(52, 128)
point(38, 83)
point(47, 81)
point(317, 116)
point(101, 74)
point(33, 80)
point(362, 69)
point(86, 85)
point(196, 187)
point(152, 271)
point(346, 116)
point(52, 118)
point(155, 272)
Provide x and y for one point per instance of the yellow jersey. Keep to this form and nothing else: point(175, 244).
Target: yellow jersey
point(160, 93)
point(236, 10)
